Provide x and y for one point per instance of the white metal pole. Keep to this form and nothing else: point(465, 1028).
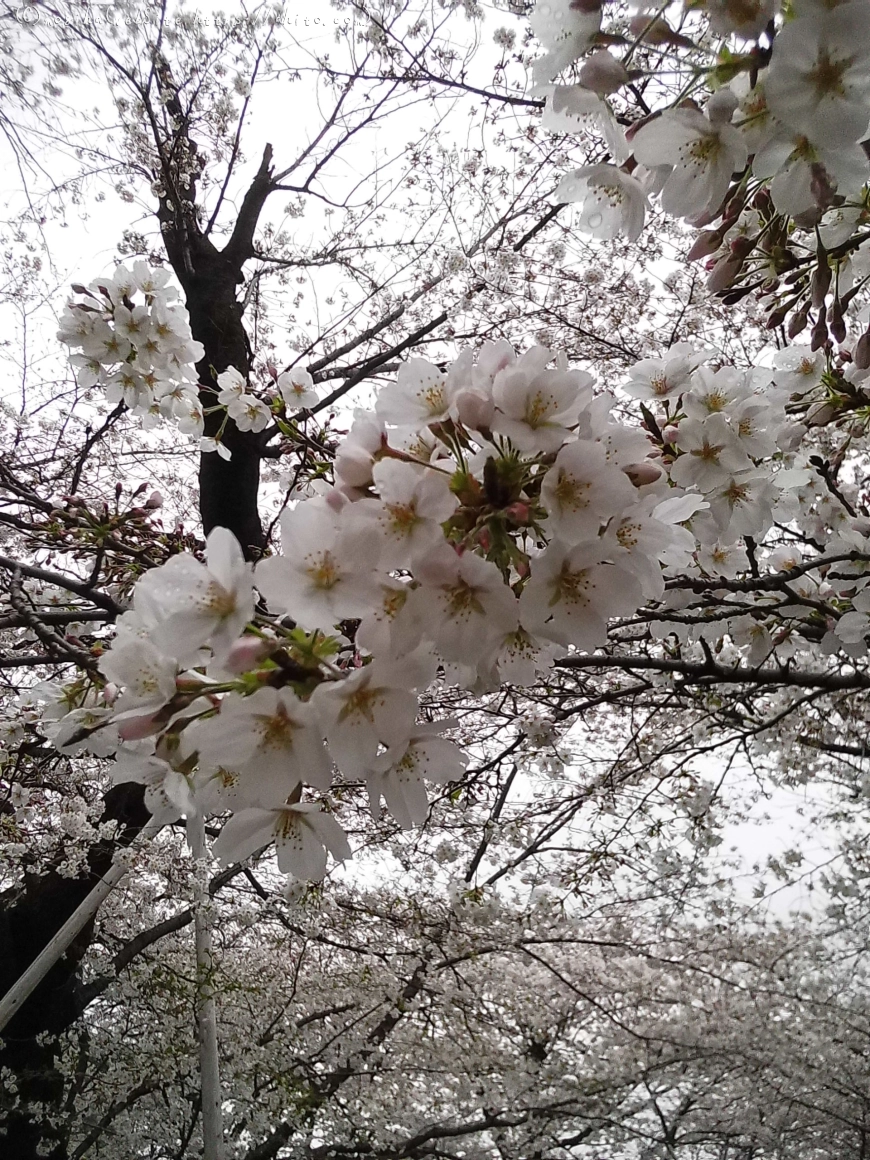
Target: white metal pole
point(206, 1011)
point(54, 950)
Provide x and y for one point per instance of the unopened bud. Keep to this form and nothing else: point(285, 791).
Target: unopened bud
point(705, 244)
point(742, 246)
point(653, 29)
point(474, 410)
point(861, 353)
point(838, 323)
point(723, 274)
point(641, 474)
point(246, 653)
point(670, 433)
point(154, 501)
point(110, 693)
point(135, 728)
point(776, 318)
point(821, 283)
point(519, 512)
point(603, 73)
point(798, 322)
point(820, 414)
point(819, 334)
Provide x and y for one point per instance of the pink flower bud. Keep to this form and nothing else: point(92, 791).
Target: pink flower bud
point(474, 410)
point(723, 274)
point(154, 501)
point(820, 414)
point(705, 244)
point(641, 474)
point(603, 73)
point(135, 728)
point(247, 653)
point(670, 433)
point(110, 693)
point(519, 512)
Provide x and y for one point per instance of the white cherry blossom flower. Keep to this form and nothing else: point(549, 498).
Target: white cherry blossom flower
point(710, 453)
point(147, 676)
point(368, 708)
point(328, 572)
point(297, 389)
point(818, 82)
point(574, 109)
point(565, 30)
point(232, 384)
point(803, 173)
point(271, 739)
point(665, 377)
point(135, 324)
point(536, 405)
point(419, 396)
point(719, 559)
point(519, 659)
point(413, 503)
point(208, 443)
point(463, 603)
point(611, 201)
point(581, 491)
point(797, 369)
point(167, 793)
point(152, 280)
point(387, 630)
point(88, 729)
point(572, 593)
point(742, 505)
point(711, 392)
point(397, 775)
point(249, 413)
point(704, 155)
point(302, 834)
point(198, 604)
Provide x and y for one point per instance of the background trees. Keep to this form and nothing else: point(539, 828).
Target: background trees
point(415, 215)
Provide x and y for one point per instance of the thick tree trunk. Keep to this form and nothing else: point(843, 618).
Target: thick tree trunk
point(228, 494)
point(29, 919)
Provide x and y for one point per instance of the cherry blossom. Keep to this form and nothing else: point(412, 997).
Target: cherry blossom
point(819, 77)
point(196, 604)
point(565, 30)
point(582, 490)
point(271, 739)
point(612, 202)
point(462, 603)
point(704, 154)
point(536, 405)
point(329, 575)
point(297, 388)
point(573, 592)
point(302, 833)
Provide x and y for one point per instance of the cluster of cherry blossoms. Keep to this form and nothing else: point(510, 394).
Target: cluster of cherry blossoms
point(141, 352)
point(767, 121)
point(485, 519)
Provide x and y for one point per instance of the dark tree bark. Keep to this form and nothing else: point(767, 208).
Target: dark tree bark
point(29, 918)
point(228, 497)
